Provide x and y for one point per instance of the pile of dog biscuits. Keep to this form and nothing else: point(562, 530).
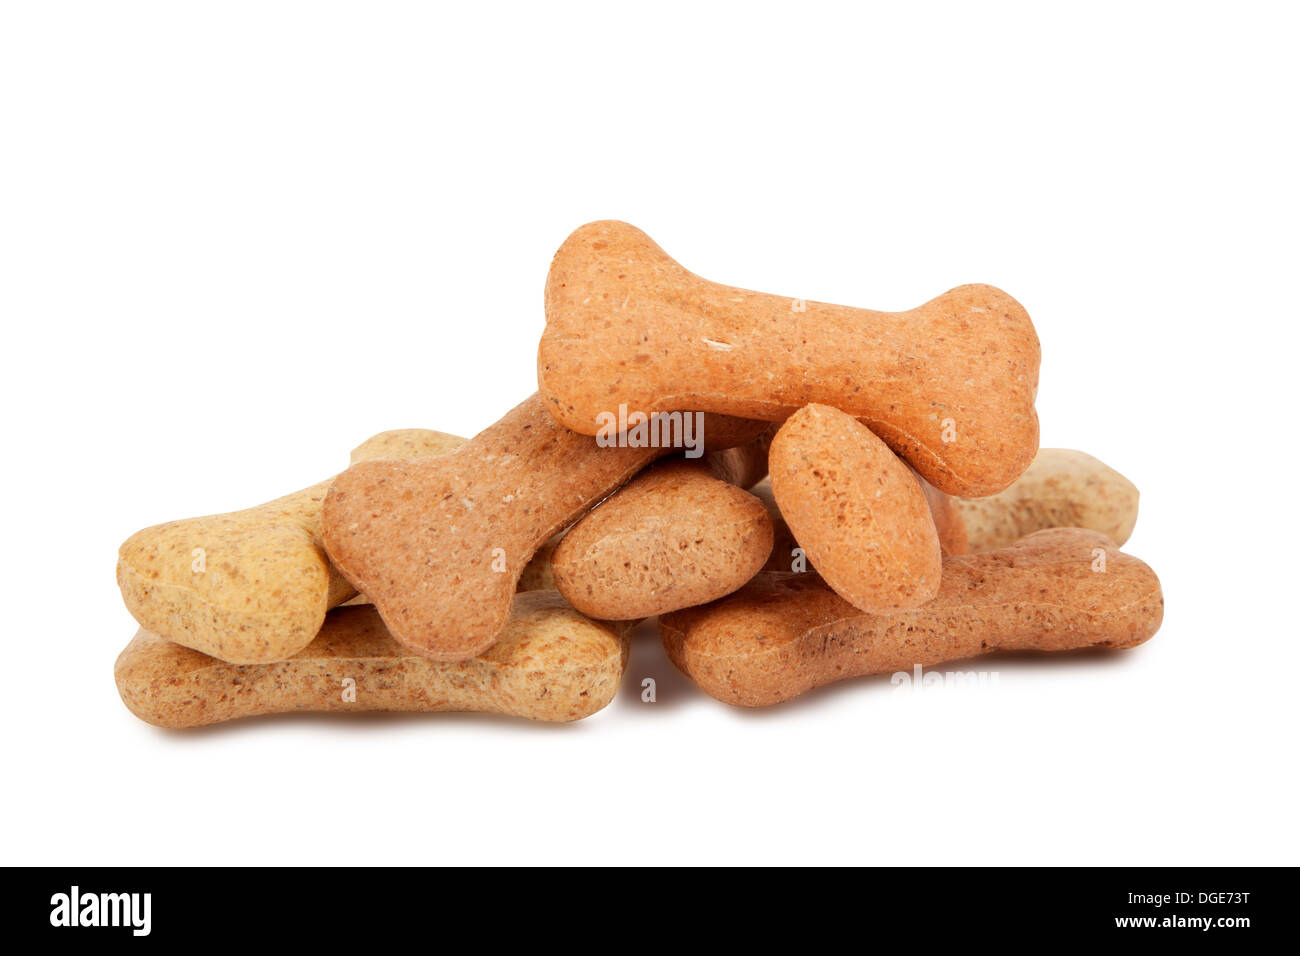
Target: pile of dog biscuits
point(800, 493)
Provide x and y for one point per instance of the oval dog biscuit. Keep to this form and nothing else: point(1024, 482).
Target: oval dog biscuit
point(673, 537)
point(856, 509)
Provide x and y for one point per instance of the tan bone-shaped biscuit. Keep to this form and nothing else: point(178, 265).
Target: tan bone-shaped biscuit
point(249, 586)
point(856, 509)
point(551, 664)
point(1061, 489)
point(949, 385)
point(439, 546)
point(673, 537)
point(784, 634)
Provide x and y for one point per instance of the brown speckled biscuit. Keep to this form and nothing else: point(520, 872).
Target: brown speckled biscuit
point(856, 509)
point(784, 634)
point(1061, 489)
point(673, 537)
point(742, 466)
point(551, 664)
point(439, 546)
point(949, 385)
point(786, 551)
point(947, 521)
point(249, 586)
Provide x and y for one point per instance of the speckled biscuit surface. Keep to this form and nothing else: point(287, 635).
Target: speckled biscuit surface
point(1061, 489)
point(783, 634)
point(740, 465)
point(949, 385)
point(786, 551)
point(550, 664)
point(249, 586)
point(673, 537)
point(406, 444)
point(439, 545)
point(856, 509)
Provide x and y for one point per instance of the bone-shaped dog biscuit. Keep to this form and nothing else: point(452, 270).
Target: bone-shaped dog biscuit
point(673, 537)
point(1061, 489)
point(857, 510)
point(439, 545)
point(784, 634)
point(551, 663)
point(249, 586)
point(949, 385)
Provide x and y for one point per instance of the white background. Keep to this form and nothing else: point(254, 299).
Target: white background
point(236, 239)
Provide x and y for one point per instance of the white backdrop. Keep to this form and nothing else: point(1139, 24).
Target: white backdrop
point(236, 239)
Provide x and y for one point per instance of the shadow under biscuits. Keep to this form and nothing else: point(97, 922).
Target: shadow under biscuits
point(1083, 658)
point(647, 659)
point(364, 723)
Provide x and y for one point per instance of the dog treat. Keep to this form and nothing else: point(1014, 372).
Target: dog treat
point(249, 586)
point(439, 546)
point(949, 385)
point(551, 663)
point(783, 634)
point(741, 465)
point(1061, 489)
point(673, 537)
point(776, 480)
point(856, 509)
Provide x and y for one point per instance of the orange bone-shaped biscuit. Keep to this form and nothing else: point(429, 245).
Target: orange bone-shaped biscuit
point(949, 385)
point(784, 634)
point(439, 545)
